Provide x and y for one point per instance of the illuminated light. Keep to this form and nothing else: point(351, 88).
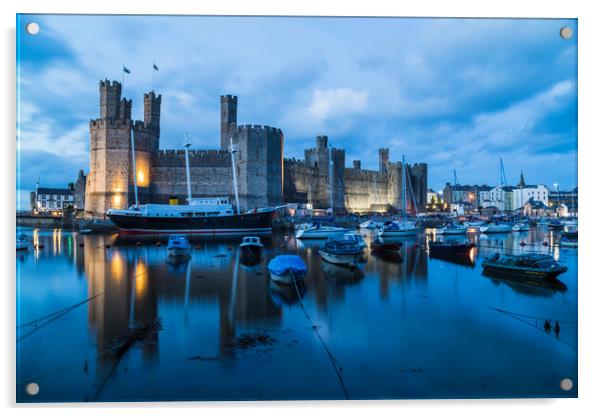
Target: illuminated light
point(140, 178)
point(117, 201)
point(141, 278)
point(117, 266)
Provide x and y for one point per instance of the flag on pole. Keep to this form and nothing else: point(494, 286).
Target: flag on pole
point(126, 70)
point(155, 67)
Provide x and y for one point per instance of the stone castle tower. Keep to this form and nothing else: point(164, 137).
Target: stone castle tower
point(259, 155)
point(110, 181)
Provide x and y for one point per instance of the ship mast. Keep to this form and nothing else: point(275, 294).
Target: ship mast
point(135, 173)
point(188, 187)
point(330, 180)
point(234, 176)
point(404, 201)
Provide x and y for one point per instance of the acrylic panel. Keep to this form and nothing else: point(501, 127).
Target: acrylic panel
point(295, 208)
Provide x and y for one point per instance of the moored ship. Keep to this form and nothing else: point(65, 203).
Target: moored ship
point(211, 216)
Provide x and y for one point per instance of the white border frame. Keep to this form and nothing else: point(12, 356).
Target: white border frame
point(590, 136)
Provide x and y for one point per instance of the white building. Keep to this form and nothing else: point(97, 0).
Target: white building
point(498, 197)
point(523, 192)
point(51, 199)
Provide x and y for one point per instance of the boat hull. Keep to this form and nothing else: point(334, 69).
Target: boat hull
point(320, 235)
point(400, 233)
point(521, 273)
point(343, 259)
point(243, 224)
point(178, 251)
point(286, 278)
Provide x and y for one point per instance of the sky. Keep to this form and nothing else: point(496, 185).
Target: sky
point(453, 93)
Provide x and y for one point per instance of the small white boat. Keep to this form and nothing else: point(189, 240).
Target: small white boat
point(178, 246)
point(343, 252)
point(453, 229)
point(397, 229)
point(321, 231)
point(356, 237)
point(287, 269)
point(369, 225)
point(496, 228)
point(520, 227)
point(22, 242)
point(251, 245)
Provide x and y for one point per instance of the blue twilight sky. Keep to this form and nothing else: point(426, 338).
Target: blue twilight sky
point(455, 93)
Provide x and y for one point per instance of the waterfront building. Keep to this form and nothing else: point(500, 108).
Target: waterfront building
point(49, 200)
point(523, 193)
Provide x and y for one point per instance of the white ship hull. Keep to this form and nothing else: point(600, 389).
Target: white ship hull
point(490, 229)
point(321, 234)
point(345, 259)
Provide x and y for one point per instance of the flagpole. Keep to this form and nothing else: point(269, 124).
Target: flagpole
point(153, 75)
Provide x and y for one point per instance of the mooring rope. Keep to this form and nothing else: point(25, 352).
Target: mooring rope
point(520, 318)
point(335, 364)
point(51, 318)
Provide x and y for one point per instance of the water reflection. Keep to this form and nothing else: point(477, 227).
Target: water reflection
point(390, 309)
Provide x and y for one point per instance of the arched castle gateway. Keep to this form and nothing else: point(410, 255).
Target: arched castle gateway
point(265, 178)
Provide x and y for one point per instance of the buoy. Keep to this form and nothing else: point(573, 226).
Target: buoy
point(107, 246)
point(40, 246)
point(158, 243)
point(522, 244)
point(198, 246)
point(545, 243)
point(138, 243)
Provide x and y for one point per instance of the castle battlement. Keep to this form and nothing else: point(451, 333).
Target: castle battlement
point(107, 83)
point(101, 123)
point(258, 129)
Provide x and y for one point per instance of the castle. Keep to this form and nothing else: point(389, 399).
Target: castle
point(265, 177)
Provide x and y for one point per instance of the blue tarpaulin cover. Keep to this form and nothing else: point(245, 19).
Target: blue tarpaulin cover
point(281, 264)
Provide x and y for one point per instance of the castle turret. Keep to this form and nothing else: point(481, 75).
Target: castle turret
point(152, 110)
point(383, 160)
point(110, 96)
point(229, 104)
point(322, 142)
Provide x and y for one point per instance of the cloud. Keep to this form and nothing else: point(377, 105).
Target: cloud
point(337, 102)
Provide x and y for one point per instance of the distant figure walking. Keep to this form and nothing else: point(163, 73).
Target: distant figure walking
point(547, 326)
point(557, 329)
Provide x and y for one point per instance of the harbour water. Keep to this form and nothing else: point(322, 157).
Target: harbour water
point(420, 328)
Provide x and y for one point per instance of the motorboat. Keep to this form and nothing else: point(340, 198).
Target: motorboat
point(357, 237)
point(321, 231)
point(530, 266)
point(555, 224)
point(496, 228)
point(22, 242)
point(344, 252)
point(178, 246)
point(462, 253)
point(399, 229)
point(369, 225)
point(520, 227)
point(251, 245)
point(287, 269)
point(452, 229)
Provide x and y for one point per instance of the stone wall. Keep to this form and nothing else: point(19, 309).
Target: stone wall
point(210, 175)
